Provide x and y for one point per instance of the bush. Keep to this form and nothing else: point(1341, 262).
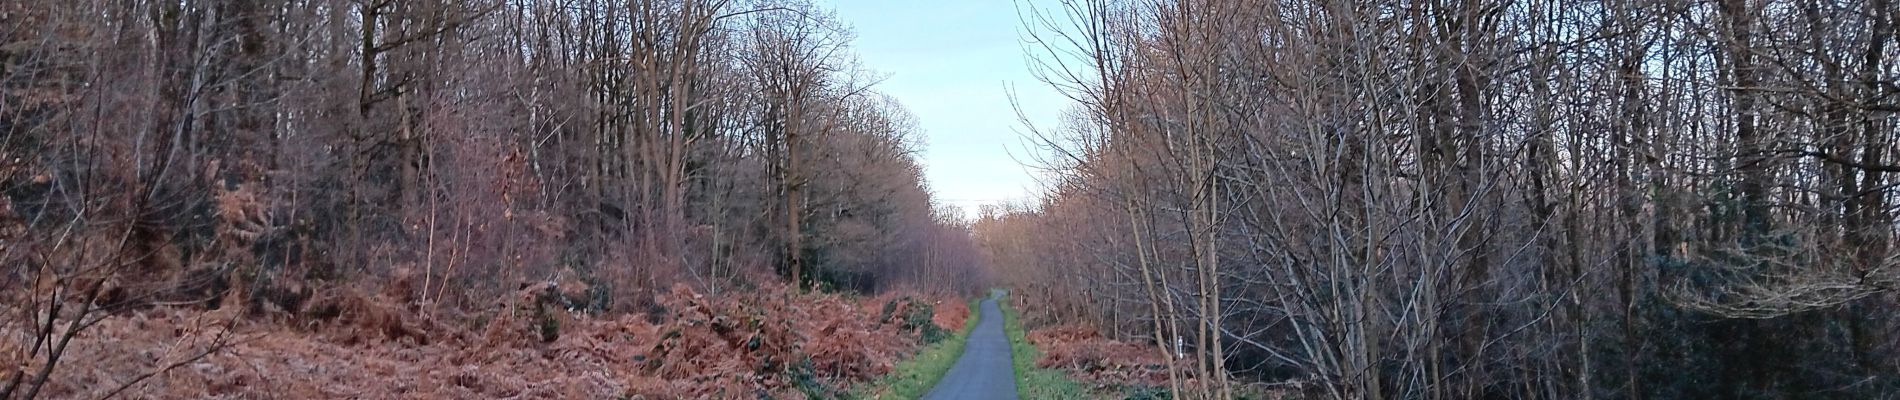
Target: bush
point(916, 316)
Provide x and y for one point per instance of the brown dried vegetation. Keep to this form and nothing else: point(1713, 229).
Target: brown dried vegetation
point(351, 345)
point(452, 199)
point(1097, 360)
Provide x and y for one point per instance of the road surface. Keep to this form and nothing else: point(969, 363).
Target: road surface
point(984, 372)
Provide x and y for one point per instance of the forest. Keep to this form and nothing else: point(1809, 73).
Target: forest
point(1473, 199)
point(1384, 199)
point(399, 165)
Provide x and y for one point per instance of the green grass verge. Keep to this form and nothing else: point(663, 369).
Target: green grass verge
point(1033, 383)
point(912, 378)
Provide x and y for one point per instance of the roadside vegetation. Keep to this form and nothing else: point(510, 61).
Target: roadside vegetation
point(914, 377)
point(1034, 382)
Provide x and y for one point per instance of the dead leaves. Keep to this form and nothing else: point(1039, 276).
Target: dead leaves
point(951, 314)
point(12, 358)
point(1098, 360)
point(355, 318)
point(758, 341)
point(349, 344)
point(242, 217)
point(367, 348)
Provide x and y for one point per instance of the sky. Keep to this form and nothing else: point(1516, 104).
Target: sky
point(954, 65)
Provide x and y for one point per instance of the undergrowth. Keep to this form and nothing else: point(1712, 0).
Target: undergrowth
point(1033, 382)
point(913, 377)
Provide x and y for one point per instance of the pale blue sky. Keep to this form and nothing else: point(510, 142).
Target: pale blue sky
point(953, 64)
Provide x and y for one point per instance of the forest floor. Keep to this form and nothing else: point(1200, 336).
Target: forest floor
point(770, 342)
point(1072, 361)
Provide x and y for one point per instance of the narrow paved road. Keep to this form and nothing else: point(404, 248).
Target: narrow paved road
point(984, 371)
